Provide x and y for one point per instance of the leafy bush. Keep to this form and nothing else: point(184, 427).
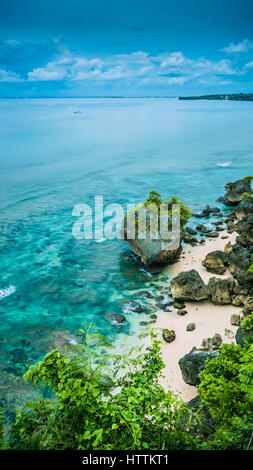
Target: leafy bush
point(226, 388)
point(247, 323)
point(245, 195)
point(91, 412)
point(248, 177)
point(250, 270)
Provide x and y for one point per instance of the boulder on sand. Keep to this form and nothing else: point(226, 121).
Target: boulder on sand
point(188, 285)
point(215, 261)
point(169, 335)
point(220, 290)
point(193, 363)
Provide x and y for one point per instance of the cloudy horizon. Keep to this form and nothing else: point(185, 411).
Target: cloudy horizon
point(147, 60)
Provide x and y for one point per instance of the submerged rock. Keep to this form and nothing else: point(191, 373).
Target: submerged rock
point(189, 285)
point(131, 306)
point(193, 363)
point(115, 318)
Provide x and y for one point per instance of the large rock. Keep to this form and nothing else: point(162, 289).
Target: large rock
point(220, 290)
point(193, 363)
point(245, 208)
point(236, 190)
point(150, 250)
point(188, 285)
point(215, 262)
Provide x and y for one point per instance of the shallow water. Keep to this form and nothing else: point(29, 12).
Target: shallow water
point(56, 153)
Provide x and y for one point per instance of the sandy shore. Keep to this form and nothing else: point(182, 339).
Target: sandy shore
point(209, 318)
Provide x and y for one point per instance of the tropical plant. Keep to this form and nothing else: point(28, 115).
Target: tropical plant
point(90, 411)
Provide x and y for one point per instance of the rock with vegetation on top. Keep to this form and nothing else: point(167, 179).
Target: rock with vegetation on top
point(188, 285)
point(152, 247)
point(215, 262)
point(193, 363)
point(236, 190)
point(169, 335)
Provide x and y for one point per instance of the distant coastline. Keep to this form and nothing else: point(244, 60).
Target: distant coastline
point(226, 97)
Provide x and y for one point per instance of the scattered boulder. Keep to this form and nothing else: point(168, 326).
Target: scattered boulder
point(215, 262)
point(205, 213)
point(209, 344)
point(115, 318)
point(188, 285)
point(220, 290)
point(182, 311)
point(193, 363)
point(191, 231)
point(229, 334)
point(179, 305)
point(212, 234)
point(131, 306)
point(203, 228)
point(191, 327)
point(169, 335)
point(235, 319)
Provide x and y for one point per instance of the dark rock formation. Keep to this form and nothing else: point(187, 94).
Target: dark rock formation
point(188, 285)
point(235, 319)
point(169, 335)
point(215, 262)
point(236, 190)
point(115, 318)
point(191, 327)
point(193, 363)
point(220, 290)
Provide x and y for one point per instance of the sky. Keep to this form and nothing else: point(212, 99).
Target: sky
point(68, 48)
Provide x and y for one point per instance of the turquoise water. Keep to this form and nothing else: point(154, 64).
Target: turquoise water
point(56, 153)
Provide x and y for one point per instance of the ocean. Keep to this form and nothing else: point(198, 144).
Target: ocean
point(56, 153)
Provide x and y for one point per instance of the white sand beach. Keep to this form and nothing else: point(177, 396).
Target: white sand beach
point(209, 318)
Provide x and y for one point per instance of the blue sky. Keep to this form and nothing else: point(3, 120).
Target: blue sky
point(129, 48)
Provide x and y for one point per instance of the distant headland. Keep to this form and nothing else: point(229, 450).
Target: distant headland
point(226, 97)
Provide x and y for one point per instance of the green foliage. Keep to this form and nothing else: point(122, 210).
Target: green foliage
point(153, 198)
point(219, 388)
point(245, 195)
point(250, 270)
point(247, 323)
point(226, 388)
point(87, 413)
point(248, 177)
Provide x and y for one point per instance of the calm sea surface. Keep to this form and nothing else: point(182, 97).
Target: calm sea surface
point(55, 153)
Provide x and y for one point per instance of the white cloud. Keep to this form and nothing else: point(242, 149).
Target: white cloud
point(249, 65)
point(243, 46)
point(7, 76)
